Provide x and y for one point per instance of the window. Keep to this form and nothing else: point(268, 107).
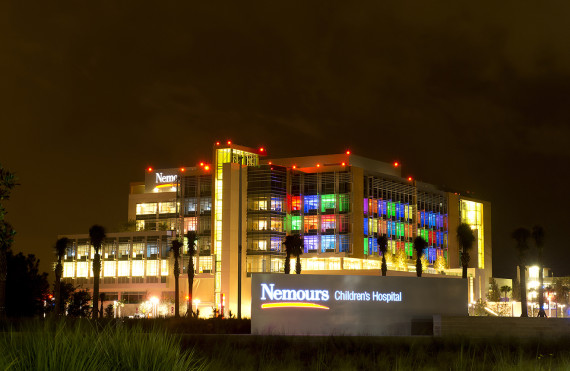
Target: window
point(258, 204)
point(328, 243)
point(276, 243)
point(343, 203)
point(311, 243)
point(205, 264)
point(328, 222)
point(365, 225)
point(151, 247)
point(164, 267)
point(296, 223)
point(372, 246)
point(140, 225)
point(109, 268)
point(138, 268)
point(277, 204)
point(138, 247)
point(146, 208)
point(311, 203)
point(191, 205)
point(152, 268)
point(132, 297)
point(328, 202)
point(205, 204)
point(124, 246)
point(296, 203)
point(190, 224)
point(68, 269)
point(277, 224)
point(365, 205)
point(82, 248)
point(82, 269)
point(124, 268)
point(167, 207)
point(343, 243)
point(311, 223)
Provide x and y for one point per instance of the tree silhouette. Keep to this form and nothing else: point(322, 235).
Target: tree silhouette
point(521, 236)
point(505, 290)
point(97, 236)
point(60, 251)
point(191, 241)
point(176, 246)
point(419, 245)
point(465, 239)
point(538, 237)
point(7, 183)
point(383, 249)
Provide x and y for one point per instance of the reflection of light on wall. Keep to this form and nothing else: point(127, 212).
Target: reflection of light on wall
point(533, 284)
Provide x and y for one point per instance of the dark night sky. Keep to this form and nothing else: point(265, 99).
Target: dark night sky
point(474, 97)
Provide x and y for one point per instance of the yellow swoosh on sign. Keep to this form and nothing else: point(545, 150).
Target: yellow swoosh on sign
point(293, 305)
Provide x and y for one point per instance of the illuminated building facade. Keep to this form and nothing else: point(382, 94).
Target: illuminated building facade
point(338, 203)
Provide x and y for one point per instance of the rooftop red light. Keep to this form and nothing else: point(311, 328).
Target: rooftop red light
point(343, 164)
point(348, 152)
point(396, 164)
point(207, 167)
point(262, 149)
point(201, 164)
point(409, 178)
point(149, 169)
point(229, 142)
point(217, 143)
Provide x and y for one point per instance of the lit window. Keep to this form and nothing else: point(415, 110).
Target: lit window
point(296, 203)
point(138, 268)
point(328, 223)
point(109, 268)
point(328, 202)
point(190, 224)
point(328, 243)
point(296, 223)
point(311, 243)
point(167, 207)
point(68, 269)
point(152, 267)
point(146, 208)
point(311, 223)
point(277, 204)
point(124, 268)
point(164, 267)
point(82, 269)
point(311, 203)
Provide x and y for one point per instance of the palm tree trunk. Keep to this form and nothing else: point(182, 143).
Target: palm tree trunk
point(541, 312)
point(288, 263)
point(96, 275)
point(3, 274)
point(57, 288)
point(298, 265)
point(524, 309)
point(384, 266)
point(418, 267)
point(176, 289)
point(189, 309)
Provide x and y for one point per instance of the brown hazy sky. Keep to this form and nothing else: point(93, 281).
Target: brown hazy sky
point(474, 97)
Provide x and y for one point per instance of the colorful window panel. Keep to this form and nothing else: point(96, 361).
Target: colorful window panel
point(311, 203)
point(310, 223)
point(382, 227)
point(277, 204)
point(381, 207)
point(372, 246)
point(431, 254)
point(343, 225)
point(365, 245)
point(328, 242)
point(365, 204)
point(343, 203)
point(296, 223)
point(373, 225)
point(409, 249)
point(374, 206)
point(296, 203)
point(276, 243)
point(365, 222)
point(328, 202)
point(327, 222)
point(311, 243)
point(190, 224)
point(343, 243)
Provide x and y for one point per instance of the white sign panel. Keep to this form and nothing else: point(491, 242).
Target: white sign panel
point(351, 305)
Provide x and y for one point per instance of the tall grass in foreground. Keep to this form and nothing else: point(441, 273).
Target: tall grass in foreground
point(84, 345)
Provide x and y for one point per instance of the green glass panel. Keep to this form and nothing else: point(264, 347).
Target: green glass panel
point(296, 223)
point(328, 202)
point(365, 245)
point(343, 203)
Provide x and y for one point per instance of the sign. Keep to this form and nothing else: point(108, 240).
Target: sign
point(351, 305)
point(164, 178)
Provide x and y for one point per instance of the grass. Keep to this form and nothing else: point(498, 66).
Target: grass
point(85, 345)
point(170, 345)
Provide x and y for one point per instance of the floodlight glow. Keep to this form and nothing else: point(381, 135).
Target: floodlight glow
point(293, 305)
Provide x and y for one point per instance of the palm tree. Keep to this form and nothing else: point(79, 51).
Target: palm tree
point(6, 239)
point(297, 251)
point(289, 246)
point(521, 236)
point(60, 250)
point(102, 297)
point(7, 182)
point(383, 249)
point(465, 239)
point(191, 237)
point(505, 290)
point(419, 245)
point(97, 236)
point(538, 237)
point(176, 246)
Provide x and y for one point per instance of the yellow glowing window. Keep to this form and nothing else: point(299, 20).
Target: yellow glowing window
point(124, 268)
point(146, 208)
point(152, 267)
point(167, 207)
point(190, 224)
point(68, 269)
point(109, 268)
point(205, 264)
point(276, 225)
point(82, 269)
point(164, 267)
point(138, 268)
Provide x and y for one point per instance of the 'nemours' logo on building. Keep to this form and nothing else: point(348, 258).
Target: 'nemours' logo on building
point(290, 298)
point(166, 178)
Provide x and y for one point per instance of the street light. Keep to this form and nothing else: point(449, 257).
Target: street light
point(154, 300)
point(196, 302)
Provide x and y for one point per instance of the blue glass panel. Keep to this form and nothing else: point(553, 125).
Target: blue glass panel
point(311, 203)
point(365, 226)
point(343, 243)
